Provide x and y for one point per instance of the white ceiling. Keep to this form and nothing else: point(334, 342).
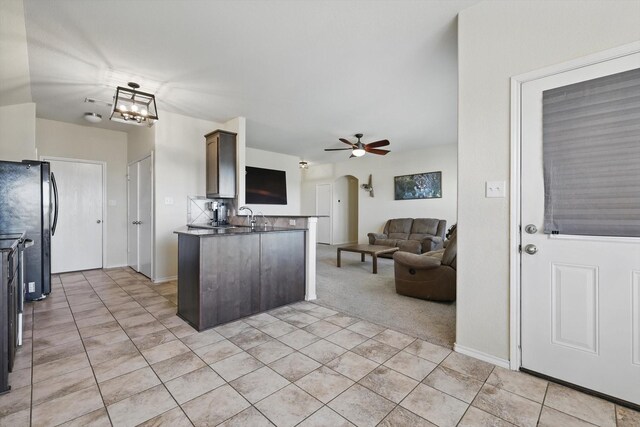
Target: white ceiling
point(303, 73)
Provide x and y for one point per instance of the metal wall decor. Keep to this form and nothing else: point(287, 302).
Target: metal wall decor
point(134, 107)
point(426, 185)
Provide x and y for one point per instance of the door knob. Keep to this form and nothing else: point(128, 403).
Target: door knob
point(531, 229)
point(531, 249)
point(99, 221)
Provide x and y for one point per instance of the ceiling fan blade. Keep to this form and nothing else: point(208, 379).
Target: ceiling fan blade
point(346, 141)
point(380, 143)
point(375, 151)
point(336, 149)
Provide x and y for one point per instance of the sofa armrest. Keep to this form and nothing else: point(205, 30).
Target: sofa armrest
point(418, 262)
point(375, 236)
point(431, 243)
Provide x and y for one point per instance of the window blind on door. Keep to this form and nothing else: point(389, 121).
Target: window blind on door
point(591, 152)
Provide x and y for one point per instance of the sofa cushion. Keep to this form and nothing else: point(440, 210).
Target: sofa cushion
point(412, 246)
point(425, 226)
point(419, 237)
point(398, 225)
point(387, 242)
point(399, 236)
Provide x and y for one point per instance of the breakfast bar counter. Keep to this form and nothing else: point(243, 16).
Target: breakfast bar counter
point(228, 273)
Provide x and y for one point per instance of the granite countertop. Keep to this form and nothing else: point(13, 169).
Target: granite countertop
point(10, 241)
point(234, 230)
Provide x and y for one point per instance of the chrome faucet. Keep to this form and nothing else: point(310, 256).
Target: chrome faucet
point(265, 223)
point(250, 219)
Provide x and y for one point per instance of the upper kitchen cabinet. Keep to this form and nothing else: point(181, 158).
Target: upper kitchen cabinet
point(221, 164)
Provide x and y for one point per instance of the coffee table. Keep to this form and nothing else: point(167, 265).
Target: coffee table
point(373, 250)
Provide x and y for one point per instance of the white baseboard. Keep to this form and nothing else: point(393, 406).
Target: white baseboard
point(311, 297)
point(165, 279)
point(503, 363)
point(116, 266)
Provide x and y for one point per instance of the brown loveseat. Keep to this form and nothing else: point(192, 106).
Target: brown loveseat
point(430, 276)
point(417, 236)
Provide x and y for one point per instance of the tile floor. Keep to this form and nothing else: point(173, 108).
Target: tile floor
point(106, 348)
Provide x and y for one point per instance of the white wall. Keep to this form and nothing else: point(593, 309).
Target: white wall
point(140, 142)
point(239, 126)
point(180, 171)
point(498, 40)
point(344, 210)
point(375, 211)
point(289, 164)
point(57, 139)
point(15, 87)
point(18, 132)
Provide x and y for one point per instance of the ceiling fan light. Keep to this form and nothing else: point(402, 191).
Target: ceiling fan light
point(358, 152)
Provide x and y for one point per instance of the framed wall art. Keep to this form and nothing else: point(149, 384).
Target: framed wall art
point(426, 185)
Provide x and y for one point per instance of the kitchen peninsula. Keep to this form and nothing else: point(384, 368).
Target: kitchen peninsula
point(228, 273)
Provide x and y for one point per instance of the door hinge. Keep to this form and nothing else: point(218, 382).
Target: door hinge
point(520, 248)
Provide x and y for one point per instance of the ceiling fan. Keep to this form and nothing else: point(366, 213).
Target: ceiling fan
point(359, 149)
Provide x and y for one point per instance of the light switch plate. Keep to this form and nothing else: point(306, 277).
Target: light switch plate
point(292, 222)
point(112, 202)
point(495, 189)
point(168, 200)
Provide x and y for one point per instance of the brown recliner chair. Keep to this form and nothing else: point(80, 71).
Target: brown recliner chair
point(430, 276)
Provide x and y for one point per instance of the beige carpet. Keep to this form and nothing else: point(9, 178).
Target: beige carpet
point(354, 290)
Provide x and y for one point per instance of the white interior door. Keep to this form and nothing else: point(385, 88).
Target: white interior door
point(323, 207)
point(580, 294)
point(77, 243)
point(145, 222)
point(132, 217)
point(140, 225)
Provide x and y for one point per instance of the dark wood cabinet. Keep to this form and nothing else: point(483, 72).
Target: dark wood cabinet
point(230, 278)
point(224, 278)
point(221, 161)
point(282, 261)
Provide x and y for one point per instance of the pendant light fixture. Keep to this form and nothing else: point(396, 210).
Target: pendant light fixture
point(134, 107)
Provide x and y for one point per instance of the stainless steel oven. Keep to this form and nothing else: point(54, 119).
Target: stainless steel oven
point(22, 288)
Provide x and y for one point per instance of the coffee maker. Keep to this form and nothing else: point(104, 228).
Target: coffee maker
point(218, 213)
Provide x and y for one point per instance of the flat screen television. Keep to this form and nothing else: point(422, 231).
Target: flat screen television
point(265, 186)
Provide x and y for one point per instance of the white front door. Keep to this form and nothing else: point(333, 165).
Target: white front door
point(140, 216)
point(77, 243)
point(323, 210)
point(580, 294)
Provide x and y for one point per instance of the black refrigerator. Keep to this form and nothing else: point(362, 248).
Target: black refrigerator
point(28, 203)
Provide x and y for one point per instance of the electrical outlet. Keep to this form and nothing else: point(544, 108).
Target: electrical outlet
point(292, 222)
point(495, 189)
point(112, 202)
point(168, 200)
